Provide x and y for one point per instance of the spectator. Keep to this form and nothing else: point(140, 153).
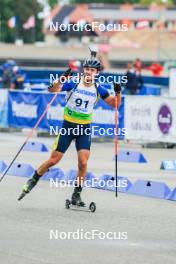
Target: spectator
point(18, 79)
point(139, 77)
point(7, 73)
point(138, 65)
point(155, 68)
point(134, 79)
point(74, 65)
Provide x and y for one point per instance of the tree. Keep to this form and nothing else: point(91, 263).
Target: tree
point(52, 3)
point(105, 1)
point(22, 10)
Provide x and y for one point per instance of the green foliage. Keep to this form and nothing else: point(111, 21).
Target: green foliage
point(104, 1)
point(52, 2)
point(159, 2)
point(22, 10)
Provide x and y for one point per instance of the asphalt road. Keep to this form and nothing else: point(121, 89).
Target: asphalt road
point(26, 226)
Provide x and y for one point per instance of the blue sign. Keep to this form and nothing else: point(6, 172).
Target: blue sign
point(25, 108)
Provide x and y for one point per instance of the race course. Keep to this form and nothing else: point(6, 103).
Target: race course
point(25, 226)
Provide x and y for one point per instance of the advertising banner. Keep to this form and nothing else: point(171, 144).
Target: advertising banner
point(150, 118)
point(3, 107)
point(25, 108)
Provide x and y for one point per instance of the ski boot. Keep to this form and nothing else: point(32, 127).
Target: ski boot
point(29, 185)
point(76, 197)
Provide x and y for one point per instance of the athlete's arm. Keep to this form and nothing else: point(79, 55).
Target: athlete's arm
point(110, 99)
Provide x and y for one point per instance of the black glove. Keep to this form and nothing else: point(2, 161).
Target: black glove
point(117, 88)
point(67, 73)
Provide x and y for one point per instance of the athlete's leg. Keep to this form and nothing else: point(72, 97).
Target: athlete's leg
point(83, 143)
point(83, 156)
point(53, 160)
point(55, 157)
point(61, 145)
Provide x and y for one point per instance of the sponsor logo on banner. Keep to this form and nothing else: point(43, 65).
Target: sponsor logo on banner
point(24, 110)
point(164, 119)
point(4, 108)
point(150, 118)
point(103, 116)
point(169, 164)
point(55, 113)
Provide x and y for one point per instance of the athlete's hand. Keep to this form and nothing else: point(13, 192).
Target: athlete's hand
point(56, 85)
point(117, 88)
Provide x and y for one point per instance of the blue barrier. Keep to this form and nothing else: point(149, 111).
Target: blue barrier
point(35, 146)
point(39, 81)
point(108, 183)
point(21, 169)
point(168, 165)
point(131, 156)
point(89, 179)
point(123, 185)
point(54, 173)
point(70, 176)
point(150, 90)
point(172, 195)
point(150, 189)
point(3, 165)
point(45, 74)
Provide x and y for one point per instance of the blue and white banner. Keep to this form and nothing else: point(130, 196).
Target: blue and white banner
point(25, 108)
point(3, 107)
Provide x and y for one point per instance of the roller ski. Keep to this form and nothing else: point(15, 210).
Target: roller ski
point(28, 187)
point(77, 203)
point(70, 205)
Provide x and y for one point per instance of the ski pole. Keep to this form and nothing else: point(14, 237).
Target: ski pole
point(116, 143)
point(117, 90)
point(29, 136)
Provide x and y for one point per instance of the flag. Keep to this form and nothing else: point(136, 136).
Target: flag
point(142, 24)
point(12, 22)
point(30, 23)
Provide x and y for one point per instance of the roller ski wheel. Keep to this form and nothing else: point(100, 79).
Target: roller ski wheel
point(67, 204)
point(92, 207)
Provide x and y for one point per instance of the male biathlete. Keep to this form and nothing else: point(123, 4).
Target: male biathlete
point(81, 99)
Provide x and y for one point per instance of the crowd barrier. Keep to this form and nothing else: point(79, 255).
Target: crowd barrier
point(43, 74)
point(24, 109)
point(58, 177)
